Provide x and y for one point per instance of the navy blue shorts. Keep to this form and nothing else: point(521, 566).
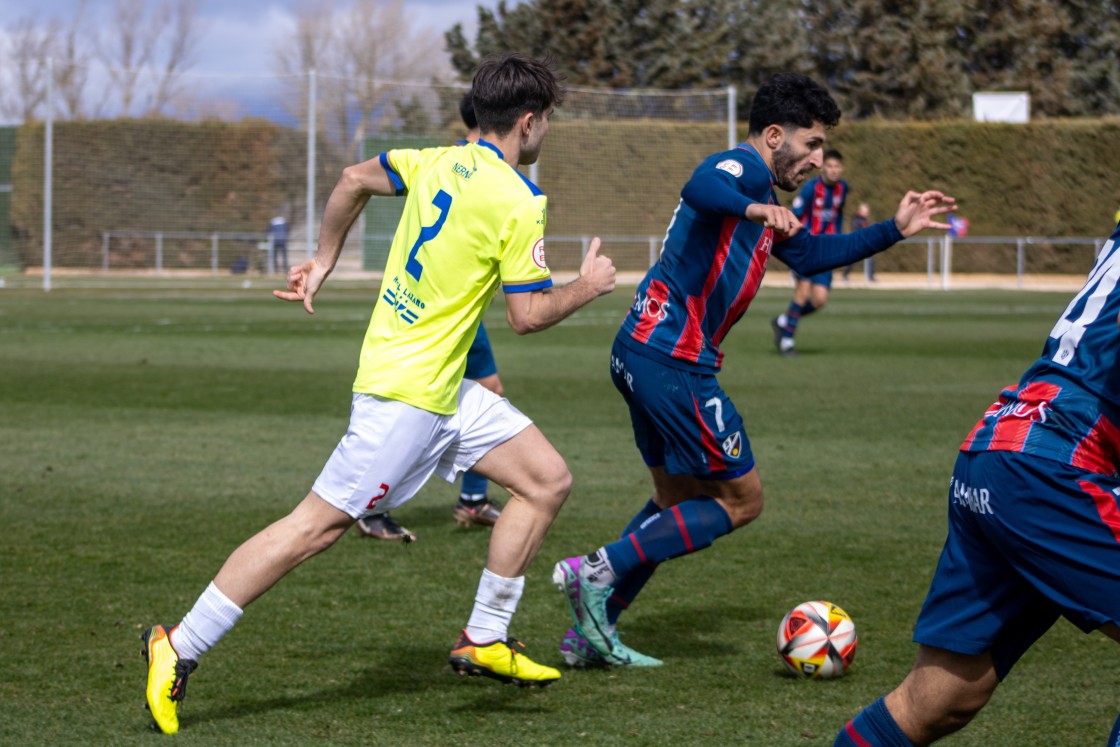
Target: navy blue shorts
point(683, 421)
point(1029, 539)
point(821, 278)
point(480, 358)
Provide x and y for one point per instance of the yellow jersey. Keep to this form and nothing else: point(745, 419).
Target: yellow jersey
point(470, 222)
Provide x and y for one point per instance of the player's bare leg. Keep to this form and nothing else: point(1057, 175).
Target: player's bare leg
point(172, 652)
point(942, 693)
point(266, 557)
point(538, 481)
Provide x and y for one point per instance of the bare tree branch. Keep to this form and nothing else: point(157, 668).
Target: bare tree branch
point(29, 46)
point(184, 29)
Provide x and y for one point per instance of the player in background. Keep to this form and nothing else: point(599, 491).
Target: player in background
point(666, 355)
point(473, 506)
point(1034, 527)
point(470, 223)
point(820, 206)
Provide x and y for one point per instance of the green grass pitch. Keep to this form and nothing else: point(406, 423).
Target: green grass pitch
point(145, 433)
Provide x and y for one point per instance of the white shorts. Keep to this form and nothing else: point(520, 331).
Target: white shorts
point(391, 448)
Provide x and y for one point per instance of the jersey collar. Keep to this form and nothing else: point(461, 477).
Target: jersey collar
point(491, 146)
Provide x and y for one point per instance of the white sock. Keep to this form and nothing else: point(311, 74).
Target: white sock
point(494, 605)
point(212, 616)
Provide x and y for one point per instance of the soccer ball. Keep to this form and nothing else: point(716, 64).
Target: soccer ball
point(817, 640)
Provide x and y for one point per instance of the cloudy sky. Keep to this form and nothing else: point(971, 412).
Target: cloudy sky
point(241, 34)
point(240, 37)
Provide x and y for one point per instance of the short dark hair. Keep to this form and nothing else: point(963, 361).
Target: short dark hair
point(507, 86)
point(466, 111)
point(832, 155)
point(792, 100)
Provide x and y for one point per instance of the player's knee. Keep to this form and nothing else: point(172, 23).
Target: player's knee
point(744, 508)
point(552, 484)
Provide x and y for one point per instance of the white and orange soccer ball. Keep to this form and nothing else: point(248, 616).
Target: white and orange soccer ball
point(817, 640)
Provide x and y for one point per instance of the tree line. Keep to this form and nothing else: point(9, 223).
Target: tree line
point(891, 59)
point(882, 58)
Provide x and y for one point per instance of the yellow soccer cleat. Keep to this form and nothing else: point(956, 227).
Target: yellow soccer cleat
point(167, 678)
point(500, 661)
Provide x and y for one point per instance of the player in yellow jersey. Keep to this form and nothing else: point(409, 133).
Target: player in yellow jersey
point(471, 224)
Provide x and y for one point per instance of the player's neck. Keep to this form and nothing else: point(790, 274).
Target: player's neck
point(510, 146)
point(759, 144)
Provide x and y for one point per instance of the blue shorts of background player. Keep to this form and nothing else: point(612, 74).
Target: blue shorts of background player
point(473, 506)
point(821, 278)
point(1029, 541)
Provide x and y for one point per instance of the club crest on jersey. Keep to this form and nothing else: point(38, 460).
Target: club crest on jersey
point(538, 254)
point(731, 166)
point(733, 444)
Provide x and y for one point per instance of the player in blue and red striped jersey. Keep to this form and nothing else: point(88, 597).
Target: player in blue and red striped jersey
point(1034, 527)
point(667, 353)
point(820, 206)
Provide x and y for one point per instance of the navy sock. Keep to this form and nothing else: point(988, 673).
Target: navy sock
point(793, 316)
point(679, 530)
point(872, 727)
point(473, 484)
point(807, 308)
point(626, 588)
point(1114, 737)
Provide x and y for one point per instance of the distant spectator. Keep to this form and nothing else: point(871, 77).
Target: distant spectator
point(862, 219)
point(278, 234)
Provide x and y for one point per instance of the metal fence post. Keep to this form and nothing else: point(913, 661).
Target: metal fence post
point(946, 260)
point(105, 251)
point(48, 179)
point(653, 247)
point(214, 253)
point(311, 124)
point(159, 253)
point(929, 262)
point(1019, 261)
point(732, 113)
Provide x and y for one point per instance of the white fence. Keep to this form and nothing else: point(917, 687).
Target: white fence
point(635, 253)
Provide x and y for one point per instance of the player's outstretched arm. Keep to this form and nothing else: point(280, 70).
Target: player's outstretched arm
point(917, 211)
point(345, 204)
point(537, 310)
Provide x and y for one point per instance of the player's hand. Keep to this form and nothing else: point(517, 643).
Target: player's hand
point(304, 282)
point(776, 217)
point(917, 210)
point(597, 270)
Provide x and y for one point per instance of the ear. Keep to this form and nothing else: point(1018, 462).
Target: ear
point(526, 122)
point(774, 135)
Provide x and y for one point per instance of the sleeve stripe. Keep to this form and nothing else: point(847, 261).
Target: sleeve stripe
point(394, 177)
point(526, 287)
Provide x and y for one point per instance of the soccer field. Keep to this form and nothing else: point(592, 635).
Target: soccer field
point(145, 433)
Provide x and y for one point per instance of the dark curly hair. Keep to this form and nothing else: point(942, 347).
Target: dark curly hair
point(792, 100)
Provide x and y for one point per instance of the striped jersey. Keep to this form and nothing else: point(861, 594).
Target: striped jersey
point(1066, 407)
point(470, 222)
point(713, 259)
point(820, 206)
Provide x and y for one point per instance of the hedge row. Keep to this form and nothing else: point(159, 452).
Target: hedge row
point(1047, 178)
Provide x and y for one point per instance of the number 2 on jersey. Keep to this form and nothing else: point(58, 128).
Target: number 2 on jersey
point(442, 200)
